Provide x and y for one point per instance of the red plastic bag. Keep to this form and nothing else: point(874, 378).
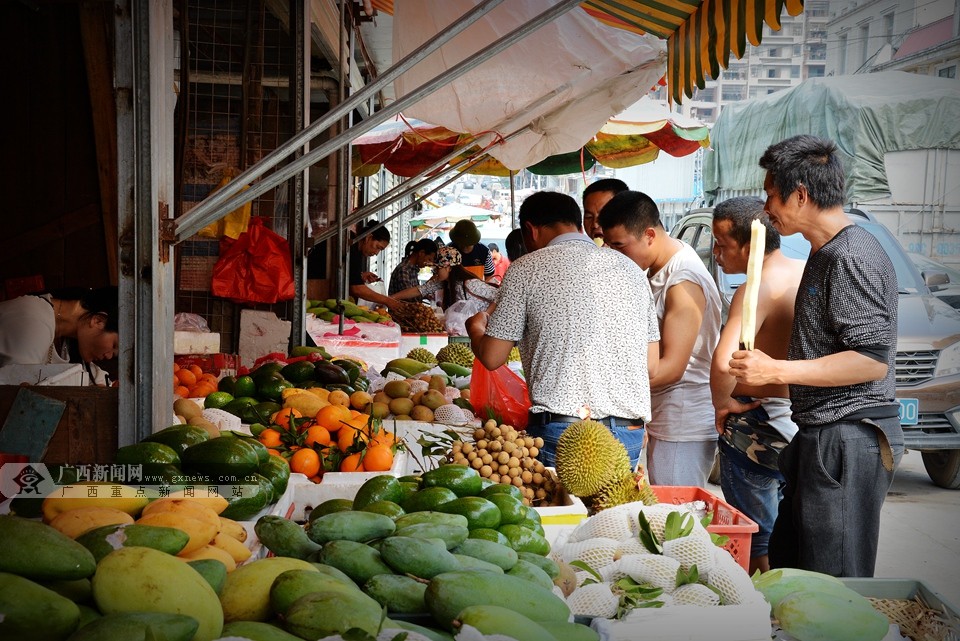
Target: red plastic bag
point(254, 268)
point(500, 394)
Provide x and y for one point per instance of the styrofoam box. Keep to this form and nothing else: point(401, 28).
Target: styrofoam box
point(196, 342)
point(432, 342)
point(337, 485)
point(284, 507)
point(749, 622)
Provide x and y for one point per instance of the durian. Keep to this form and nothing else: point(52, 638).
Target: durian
point(627, 489)
point(514, 355)
point(589, 457)
point(423, 355)
point(459, 353)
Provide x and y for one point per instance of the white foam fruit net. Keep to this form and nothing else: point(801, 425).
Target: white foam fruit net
point(597, 552)
point(222, 419)
point(631, 545)
point(594, 600)
point(416, 385)
point(449, 414)
point(695, 594)
point(655, 569)
point(732, 580)
point(612, 523)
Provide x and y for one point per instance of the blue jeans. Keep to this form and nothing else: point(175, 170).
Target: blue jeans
point(632, 439)
point(754, 491)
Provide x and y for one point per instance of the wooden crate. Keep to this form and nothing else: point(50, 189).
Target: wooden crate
point(87, 431)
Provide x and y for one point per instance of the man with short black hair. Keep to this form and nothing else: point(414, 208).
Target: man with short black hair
point(840, 367)
point(595, 196)
point(584, 323)
point(500, 263)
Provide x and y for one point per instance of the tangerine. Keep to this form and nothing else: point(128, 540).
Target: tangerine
point(273, 452)
point(202, 390)
point(182, 391)
point(377, 458)
point(331, 416)
point(210, 378)
point(352, 463)
point(317, 434)
point(305, 461)
point(349, 435)
point(284, 417)
point(186, 377)
point(197, 370)
point(270, 437)
point(384, 437)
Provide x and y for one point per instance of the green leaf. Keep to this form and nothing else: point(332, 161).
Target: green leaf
point(719, 539)
point(692, 576)
point(647, 536)
point(583, 566)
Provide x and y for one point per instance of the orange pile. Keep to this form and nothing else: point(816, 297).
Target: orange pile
point(193, 382)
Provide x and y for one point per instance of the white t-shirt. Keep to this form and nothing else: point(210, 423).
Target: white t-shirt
point(684, 411)
point(27, 326)
point(583, 317)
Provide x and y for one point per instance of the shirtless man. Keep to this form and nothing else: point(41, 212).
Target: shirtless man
point(753, 421)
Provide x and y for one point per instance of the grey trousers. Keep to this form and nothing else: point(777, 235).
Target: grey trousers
point(837, 477)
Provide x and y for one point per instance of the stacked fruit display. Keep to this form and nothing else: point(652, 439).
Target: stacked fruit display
point(448, 547)
point(193, 382)
point(326, 310)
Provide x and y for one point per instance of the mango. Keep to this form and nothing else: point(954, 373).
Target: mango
point(88, 614)
point(200, 532)
point(31, 611)
point(495, 620)
point(37, 551)
point(246, 593)
point(210, 552)
point(213, 572)
point(233, 529)
point(821, 616)
point(283, 537)
point(293, 584)
point(473, 563)
point(532, 573)
point(489, 551)
point(256, 631)
point(417, 557)
point(216, 503)
point(78, 591)
point(350, 526)
point(322, 614)
point(358, 561)
point(185, 506)
point(569, 631)
point(75, 522)
point(429, 516)
point(451, 535)
point(397, 593)
point(546, 564)
point(102, 541)
point(138, 625)
point(77, 495)
point(137, 579)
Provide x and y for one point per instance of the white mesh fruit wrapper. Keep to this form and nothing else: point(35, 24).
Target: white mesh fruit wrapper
point(696, 548)
point(631, 545)
point(695, 594)
point(612, 523)
point(612, 572)
point(655, 569)
point(594, 600)
point(449, 414)
point(451, 392)
point(224, 420)
point(597, 553)
point(416, 385)
point(731, 580)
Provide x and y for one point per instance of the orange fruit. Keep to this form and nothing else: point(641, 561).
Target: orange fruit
point(331, 416)
point(348, 435)
point(339, 397)
point(175, 368)
point(186, 377)
point(305, 461)
point(284, 418)
point(210, 378)
point(384, 437)
point(176, 380)
point(316, 479)
point(377, 458)
point(317, 434)
point(181, 391)
point(197, 370)
point(202, 390)
point(352, 463)
point(273, 452)
point(270, 437)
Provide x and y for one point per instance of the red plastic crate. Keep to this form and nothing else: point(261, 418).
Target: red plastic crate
point(727, 520)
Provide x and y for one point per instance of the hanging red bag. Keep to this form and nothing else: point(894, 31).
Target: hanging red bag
point(254, 268)
point(499, 394)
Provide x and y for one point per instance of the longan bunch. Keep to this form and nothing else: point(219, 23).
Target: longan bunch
point(504, 455)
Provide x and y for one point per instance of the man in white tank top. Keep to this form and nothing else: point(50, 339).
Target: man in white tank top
point(682, 439)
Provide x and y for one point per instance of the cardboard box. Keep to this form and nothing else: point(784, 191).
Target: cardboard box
point(216, 364)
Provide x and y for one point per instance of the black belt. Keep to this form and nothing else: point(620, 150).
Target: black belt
point(542, 418)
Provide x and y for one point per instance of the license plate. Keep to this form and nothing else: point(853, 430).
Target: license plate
point(909, 411)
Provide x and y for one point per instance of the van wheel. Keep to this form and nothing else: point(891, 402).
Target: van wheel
point(943, 466)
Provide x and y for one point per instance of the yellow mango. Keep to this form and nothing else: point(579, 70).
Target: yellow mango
point(246, 592)
point(322, 392)
point(216, 503)
point(200, 532)
point(237, 550)
point(211, 552)
point(73, 523)
point(138, 579)
point(188, 507)
point(94, 494)
point(233, 529)
point(291, 391)
point(307, 404)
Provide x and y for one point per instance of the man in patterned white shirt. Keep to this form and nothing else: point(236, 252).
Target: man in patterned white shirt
point(584, 321)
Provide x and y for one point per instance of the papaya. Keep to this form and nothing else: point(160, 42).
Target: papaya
point(358, 561)
point(224, 459)
point(451, 535)
point(417, 557)
point(479, 511)
point(378, 488)
point(350, 526)
point(138, 625)
point(147, 453)
point(430, 516)
point(283, 537)
point(246, 592)
point(501, 555)
point(277, 471)
point(178, 437)
point(461, 479)
point(822, 616)
point(102, 541)
point(322, 614)
point(397, 593)
point(213, 572)
point(532, 573)
point(525, 540)
point(257, 631)
point(449, 593)
point(31, 611)
point(37, 551)
point(293, 584)
point(249, 503)
point(138, 579)
point(429, 498)
point(492, 620)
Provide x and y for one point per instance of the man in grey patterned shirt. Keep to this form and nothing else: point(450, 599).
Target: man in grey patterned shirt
point(584, 321)
point(840, 368)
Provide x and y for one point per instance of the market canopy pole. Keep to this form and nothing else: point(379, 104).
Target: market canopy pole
point(194, 220)
point(206, 211)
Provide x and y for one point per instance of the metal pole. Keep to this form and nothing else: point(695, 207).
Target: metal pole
point(343, 166)
point(199, 216)
point(191, 224)
point(300, 106)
